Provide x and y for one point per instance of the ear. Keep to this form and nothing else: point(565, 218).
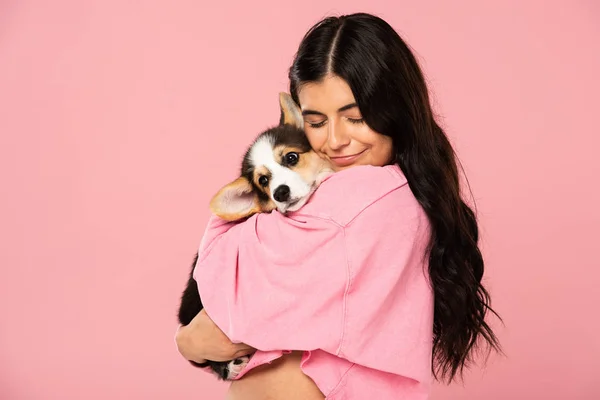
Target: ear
point(290, 112)
point(235, 201)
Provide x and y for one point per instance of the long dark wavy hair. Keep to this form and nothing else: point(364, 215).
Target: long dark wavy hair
point(391, 93)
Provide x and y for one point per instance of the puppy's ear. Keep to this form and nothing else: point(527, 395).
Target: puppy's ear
point(235, 201)
point(290, 112)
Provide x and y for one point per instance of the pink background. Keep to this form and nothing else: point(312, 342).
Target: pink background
point(111, 116)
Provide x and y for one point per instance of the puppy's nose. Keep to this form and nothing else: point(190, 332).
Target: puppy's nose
point(282, 193)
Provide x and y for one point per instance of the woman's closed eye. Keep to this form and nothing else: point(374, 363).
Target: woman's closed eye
point(356, 120)
point(319, 124)
point(316, 124)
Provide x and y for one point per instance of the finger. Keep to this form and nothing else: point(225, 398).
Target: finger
point(244, 350)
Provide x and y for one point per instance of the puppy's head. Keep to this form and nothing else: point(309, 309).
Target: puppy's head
point(279, 171)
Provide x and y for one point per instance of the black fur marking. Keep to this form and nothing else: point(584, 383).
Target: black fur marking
point(287, 135)
point(190, 306)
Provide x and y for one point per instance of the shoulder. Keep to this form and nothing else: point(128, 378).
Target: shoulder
point(346, 194)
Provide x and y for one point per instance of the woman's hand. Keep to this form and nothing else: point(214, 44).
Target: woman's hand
point(202, 340)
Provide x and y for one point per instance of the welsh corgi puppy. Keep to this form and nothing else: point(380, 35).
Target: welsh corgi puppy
point(279, 171)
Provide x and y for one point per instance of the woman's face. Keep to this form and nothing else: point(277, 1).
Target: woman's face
point(335, 128)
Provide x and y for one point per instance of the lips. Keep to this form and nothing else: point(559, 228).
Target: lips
point(343, 161)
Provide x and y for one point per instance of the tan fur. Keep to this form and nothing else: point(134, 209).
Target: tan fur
point(237, 200)
point(280, 151)
point(291, 112)
point(311, 165)
point(258, 172)
point(268, 206)
point(304, 159)
point(220, 206)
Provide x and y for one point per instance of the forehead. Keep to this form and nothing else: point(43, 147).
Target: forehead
point(326, 96)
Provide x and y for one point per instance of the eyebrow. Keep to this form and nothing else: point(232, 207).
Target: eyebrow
point(344, 108)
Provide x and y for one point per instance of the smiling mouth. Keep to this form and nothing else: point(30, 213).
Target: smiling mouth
point(346, 161)
point(348, 157)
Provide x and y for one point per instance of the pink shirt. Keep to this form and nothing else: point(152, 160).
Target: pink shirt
point(343, 279)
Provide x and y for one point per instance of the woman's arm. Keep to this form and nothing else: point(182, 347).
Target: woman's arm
point(346, 275)
point(202, 340)
point(256, 279)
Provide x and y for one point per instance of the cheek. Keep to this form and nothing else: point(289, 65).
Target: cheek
point(381, 146)
point(385, 150)
point(316, 139)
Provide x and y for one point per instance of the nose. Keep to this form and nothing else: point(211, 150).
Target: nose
point(282, 193)
point(338, 137)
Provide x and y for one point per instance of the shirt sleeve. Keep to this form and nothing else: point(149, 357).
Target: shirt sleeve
point(273, 282)
point(355, 288)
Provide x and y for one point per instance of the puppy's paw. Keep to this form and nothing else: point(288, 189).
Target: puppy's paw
point(236, 366)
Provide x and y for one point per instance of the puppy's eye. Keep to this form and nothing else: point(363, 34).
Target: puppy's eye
point(263, 181)
point(291, 158)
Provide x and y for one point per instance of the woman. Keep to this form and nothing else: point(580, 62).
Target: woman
point(366, 109)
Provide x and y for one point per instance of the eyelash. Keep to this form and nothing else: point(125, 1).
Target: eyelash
point(317, 125)
point(356, 120)
point(351, 120)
